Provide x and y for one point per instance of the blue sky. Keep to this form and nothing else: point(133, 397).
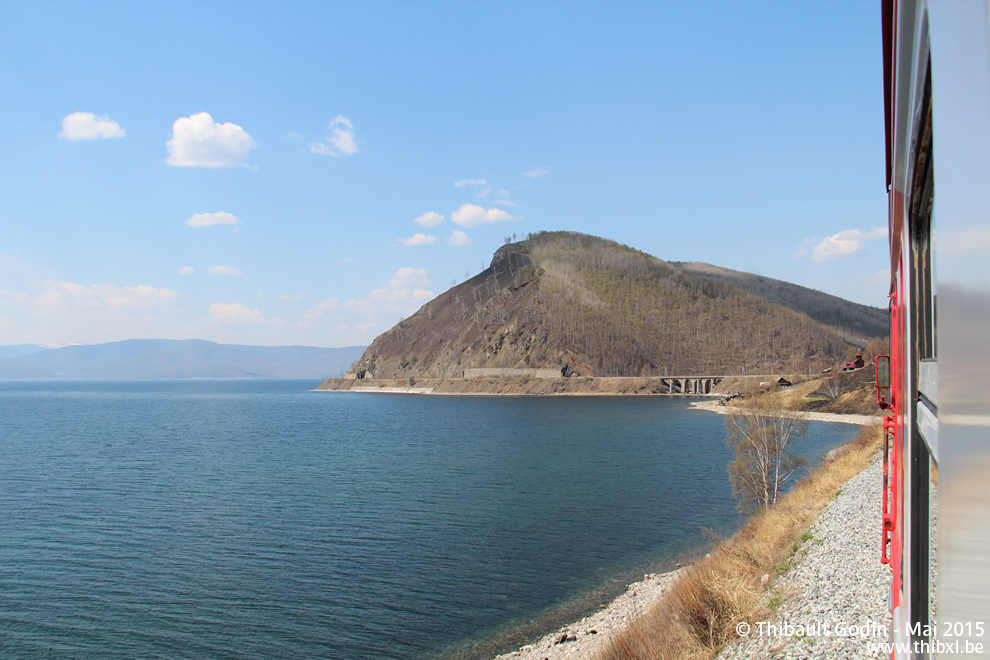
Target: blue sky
point(308, 173)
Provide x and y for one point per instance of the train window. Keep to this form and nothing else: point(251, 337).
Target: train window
point(922, 492)
point(922, 202)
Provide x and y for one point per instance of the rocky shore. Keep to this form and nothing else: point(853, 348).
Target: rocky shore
point(589, 636)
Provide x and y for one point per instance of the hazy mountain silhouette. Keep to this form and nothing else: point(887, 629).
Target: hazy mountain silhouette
point(169, 358)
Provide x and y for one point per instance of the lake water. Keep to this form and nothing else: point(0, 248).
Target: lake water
point(232, 519)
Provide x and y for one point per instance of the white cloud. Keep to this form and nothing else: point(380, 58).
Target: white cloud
point(145, 292)
point(223, 270)
point(458, 238)
point(403, 294)
point(471, 215)
point(198, 141)
point(186, 270)
point(235, 314)
point(210, 219)
point(407, 277)
point(484, 193)
point(470, 182)
point(12, 297)
point(287, 296)
point(503, 202)
point(429, 219)
point(838, 246)
point(323, 310)
point(328, 305)
point(536, 173)
point(58, 312)
point(341, 141)
point(57, 296)
point(87, 126)
point(419, 239)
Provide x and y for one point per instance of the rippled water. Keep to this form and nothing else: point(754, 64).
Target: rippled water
point(222, 519)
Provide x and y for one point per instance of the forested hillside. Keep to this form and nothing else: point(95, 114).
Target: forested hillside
point(857, 323)
point(594, 307)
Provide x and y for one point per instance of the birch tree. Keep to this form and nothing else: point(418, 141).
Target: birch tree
point(763, 435)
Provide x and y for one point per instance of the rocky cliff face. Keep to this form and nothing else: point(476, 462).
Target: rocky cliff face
point(593, 307)
point(490, 320)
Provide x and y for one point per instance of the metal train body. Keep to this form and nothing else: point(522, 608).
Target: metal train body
point(937, 93)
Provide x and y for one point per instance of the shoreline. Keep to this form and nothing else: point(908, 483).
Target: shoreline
point(431, 392)
point(590, 635)
point(691, 386)
point(832, 418)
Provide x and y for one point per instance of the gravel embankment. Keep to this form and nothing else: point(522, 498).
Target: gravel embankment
point(834, 601)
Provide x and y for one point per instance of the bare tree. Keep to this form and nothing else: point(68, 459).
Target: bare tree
point(763, 435)
point(833, 388)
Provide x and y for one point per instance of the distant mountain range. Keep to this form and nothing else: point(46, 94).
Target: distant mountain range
point(591, 307)
point(170, 358)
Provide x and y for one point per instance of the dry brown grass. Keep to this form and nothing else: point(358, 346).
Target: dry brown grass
point(700, 614)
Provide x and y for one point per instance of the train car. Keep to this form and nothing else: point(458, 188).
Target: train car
point(936, 382)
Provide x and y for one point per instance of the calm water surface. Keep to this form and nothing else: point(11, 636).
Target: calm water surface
point(223, 519)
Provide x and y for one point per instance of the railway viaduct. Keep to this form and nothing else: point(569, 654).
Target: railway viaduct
point(691, 384)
